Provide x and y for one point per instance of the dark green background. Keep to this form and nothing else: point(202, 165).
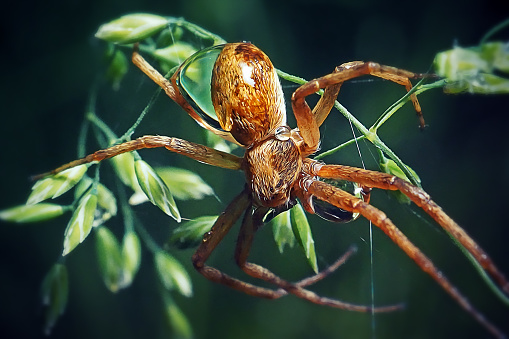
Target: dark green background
point(50, 60)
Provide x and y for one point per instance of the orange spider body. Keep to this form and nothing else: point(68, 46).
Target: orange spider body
point(257, 121)
point(249, 105)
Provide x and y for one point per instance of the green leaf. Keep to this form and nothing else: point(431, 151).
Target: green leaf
point(302, 232)
point(177, 319)
point(56, 185)
point(54, 295)
point(282, 230)
point(80, 224)
point(131, 28)
point(190, 233)
point(131, 254)
point(184, 183)
point(32, 213)
point(155, 189)
point(172, 274)
point(110, 259)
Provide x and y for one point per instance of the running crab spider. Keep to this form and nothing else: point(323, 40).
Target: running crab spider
point(249, 107)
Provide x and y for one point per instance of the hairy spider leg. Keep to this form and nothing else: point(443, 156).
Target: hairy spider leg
point(213, 237)
point(251, 222)
point(423, 200)
point(172, 91)
point(224, 223)
point(226, 220)
point(309, 121)
point(350, 203)
point(190, 149)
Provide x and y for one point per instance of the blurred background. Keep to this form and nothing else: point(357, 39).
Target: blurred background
point(51, 59)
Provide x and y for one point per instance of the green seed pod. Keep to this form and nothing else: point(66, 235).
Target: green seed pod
point(131, 28)
point(56, 185)
point(172, 274)
point(475, 69)
point(155, 189)
point(32, 213)
point(190, 233)
point(131, 254)
point(390, 167)
point(54, 295)
point(282, 230)
point(175, 54)
point(80, 224)
point(184, 184)
point(302, 232)
point(124, 167)
point(109, 258)
point(177, 319)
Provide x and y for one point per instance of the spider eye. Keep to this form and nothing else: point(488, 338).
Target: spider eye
point(332, 213)
point(282, 133)
point(194, 80)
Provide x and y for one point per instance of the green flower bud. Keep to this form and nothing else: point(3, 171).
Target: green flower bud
point(282, 230)
point(110, 259)
point(131, 28)
point(124, 167)
point(172, 274)
point(106, 201)
point(80, 224)
point(191, 232)
point(131, 254)
point(302, 232)
point(179, 323)
point(184, 184)
point(473, 69)
point(117, 68)
point(390, 167)
point(457, 63)
point(56, 185)
point(216, 142)
point(32, 213)
point(155, 189)
point(54, 295)
point(175, 54)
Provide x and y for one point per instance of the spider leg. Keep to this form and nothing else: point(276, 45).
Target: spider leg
point(326, 102)
point(223, 225)
point(250, 224)
point(212, 238)
point(423, 200)
point(309, 121)
point(350, 203)
point(190, 149)
point(171, 89)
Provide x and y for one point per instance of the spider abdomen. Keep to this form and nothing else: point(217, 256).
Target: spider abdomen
point(246, 93)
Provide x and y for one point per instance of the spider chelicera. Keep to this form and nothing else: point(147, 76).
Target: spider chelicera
point(249, 105)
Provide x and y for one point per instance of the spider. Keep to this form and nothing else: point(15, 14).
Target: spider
point(249, 105)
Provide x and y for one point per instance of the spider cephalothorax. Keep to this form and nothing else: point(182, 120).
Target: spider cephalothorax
point(272, 167)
